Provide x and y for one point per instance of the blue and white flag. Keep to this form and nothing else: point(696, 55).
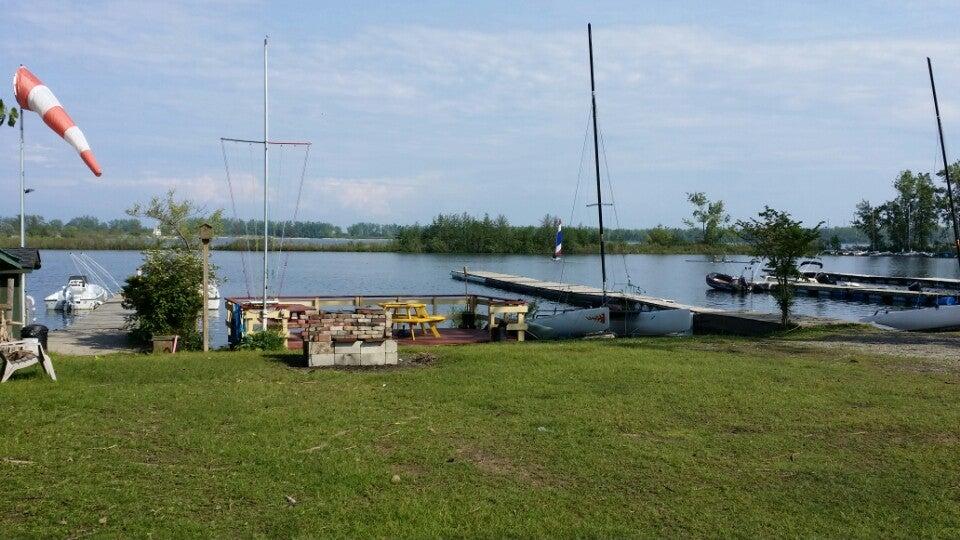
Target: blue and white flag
point(558, 248)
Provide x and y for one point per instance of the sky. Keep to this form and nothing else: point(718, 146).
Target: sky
point(420, 108)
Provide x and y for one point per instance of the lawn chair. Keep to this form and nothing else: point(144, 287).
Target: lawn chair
point(24, 353)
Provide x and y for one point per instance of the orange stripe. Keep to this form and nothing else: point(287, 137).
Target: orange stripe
point(58, 120)
point(91, 162)
point(25, 83)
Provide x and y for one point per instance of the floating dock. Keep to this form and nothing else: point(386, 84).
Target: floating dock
point(878, 294)
point(705, 320)
point(947, 284)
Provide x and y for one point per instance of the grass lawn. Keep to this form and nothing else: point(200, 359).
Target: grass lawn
point(678, 437)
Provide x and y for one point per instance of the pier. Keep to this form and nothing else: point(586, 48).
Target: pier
point(879, 294)
point(948, 284)
point(705, 320)
point(101, 331)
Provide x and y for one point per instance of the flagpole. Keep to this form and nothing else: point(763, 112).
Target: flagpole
point(23, 229)
point(266, 180)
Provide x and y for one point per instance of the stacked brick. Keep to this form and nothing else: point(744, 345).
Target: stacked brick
point(349, 338)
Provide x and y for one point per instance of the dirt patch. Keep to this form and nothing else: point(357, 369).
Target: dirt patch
point(930, 352)
point(498, 465)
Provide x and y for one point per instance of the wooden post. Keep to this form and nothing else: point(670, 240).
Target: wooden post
point(206, 233)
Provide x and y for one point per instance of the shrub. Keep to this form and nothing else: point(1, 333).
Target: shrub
point(266, 340)
point(165, 296)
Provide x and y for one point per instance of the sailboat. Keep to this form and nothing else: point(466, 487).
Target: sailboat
point(937, 317)
point(618, 314)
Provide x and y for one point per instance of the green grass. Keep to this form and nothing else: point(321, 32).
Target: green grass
point(678, 437)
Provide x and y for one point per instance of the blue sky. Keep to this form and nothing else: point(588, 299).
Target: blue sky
point(481, 107)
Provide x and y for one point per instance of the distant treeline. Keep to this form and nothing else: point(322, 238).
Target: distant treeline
point(454, 233)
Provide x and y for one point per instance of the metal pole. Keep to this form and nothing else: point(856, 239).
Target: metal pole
point(266, 183)
point(23, 227)
point(206, 295)
point(596, 164)
point(946, 166)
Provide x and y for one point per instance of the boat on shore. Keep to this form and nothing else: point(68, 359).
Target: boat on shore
point(917, 320)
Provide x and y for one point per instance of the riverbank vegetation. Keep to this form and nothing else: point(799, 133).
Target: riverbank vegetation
point(916, 219)
point(704, 437)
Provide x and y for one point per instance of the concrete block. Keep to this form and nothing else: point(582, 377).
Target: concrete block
point(372, 354)
point(319, 347)
point(321, 360)
point(389, 346)
point(391, 358)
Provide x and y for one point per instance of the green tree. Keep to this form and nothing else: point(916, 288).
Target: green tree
point(166, 296)
point(710, 216)
point(10, 116)
point(179, 218)
point(662, 236)
point(868, 221)
point(782, 241)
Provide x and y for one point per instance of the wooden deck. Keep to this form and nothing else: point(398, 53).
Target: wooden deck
point(100, 331)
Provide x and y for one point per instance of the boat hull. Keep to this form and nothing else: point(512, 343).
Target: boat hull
point(570, 324)
point(658, 322)
point(918, 320)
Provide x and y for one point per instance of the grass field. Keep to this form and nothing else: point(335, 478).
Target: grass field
point(678, 437)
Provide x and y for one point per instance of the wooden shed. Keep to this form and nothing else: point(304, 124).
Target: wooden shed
point(15, 263)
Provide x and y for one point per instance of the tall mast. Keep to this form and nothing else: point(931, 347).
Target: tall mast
point(23, 226)
point(596, 164)
point(266, 183)
point(946, 166)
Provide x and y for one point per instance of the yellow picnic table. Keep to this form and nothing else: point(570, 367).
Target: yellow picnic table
point(413, 314)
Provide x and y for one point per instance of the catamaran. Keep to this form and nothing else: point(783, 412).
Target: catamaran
point(938, 317)
point(618, 314)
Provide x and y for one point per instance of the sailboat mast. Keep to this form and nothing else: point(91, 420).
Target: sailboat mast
point(266, 183)
point(946, 166)
point(596, 164)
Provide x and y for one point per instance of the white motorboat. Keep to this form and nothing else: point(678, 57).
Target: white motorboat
point(918, 320)
point(213, 296)
point(77, 294)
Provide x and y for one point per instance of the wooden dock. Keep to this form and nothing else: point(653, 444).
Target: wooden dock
point(100, 331)
point(705, 320)
point(879, 294)
point(568, 293)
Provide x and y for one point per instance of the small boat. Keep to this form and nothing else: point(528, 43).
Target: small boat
point(213, 296)
point(575, 323)
point(726, 282)
point(77, 294)
point(918, 320)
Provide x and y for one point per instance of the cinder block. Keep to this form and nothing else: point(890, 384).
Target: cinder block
point(372, 354)
point(320, 347)
point(389, 346)
point(321, 360)
point(346, 359)
point(391, 358)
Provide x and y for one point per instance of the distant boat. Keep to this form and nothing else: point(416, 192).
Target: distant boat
point(77, 295)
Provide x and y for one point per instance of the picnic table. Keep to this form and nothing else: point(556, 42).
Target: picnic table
point(413, 314)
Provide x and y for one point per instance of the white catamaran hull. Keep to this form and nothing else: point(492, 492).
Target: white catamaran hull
point(659, 322)
point(931, 318)
point(570, 324)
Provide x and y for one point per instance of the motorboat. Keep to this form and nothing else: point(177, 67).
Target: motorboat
point(944, 317)
point(213, 296)
point(726, 282)
point(77, 294)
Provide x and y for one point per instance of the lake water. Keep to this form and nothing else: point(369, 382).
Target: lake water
point(677, 277)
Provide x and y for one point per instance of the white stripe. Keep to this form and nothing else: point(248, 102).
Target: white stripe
point(41, 100)
point(75, 137)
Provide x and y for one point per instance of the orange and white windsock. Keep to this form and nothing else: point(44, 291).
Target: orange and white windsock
point(33, 95)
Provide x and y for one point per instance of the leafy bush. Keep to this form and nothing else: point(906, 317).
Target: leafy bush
point(166, 297)
point(266, 340)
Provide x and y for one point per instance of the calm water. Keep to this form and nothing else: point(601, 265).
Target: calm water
point(678, 277)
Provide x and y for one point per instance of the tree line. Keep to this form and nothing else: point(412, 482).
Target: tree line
point(916, 219)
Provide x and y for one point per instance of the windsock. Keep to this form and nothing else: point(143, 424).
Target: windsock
point(558, 247)
point(33, 95)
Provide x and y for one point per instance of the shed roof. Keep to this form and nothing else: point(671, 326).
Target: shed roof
point(25, 258)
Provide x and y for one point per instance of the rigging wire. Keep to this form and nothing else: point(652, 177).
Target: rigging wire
point(576, 193)
point(233, 205)
point(296, 213)
point(616, 214)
